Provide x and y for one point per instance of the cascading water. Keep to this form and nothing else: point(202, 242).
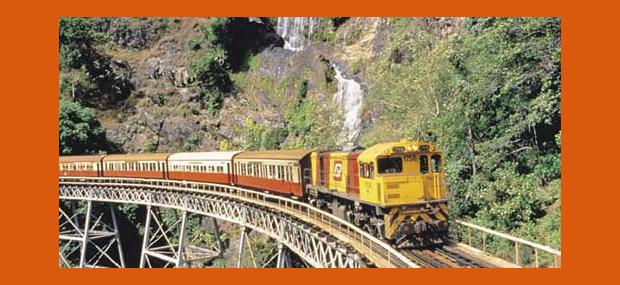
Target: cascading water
point(349, 96)
point(295, 31)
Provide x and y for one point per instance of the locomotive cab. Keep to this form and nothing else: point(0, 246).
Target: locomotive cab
point(406, 181)
point(404, 173)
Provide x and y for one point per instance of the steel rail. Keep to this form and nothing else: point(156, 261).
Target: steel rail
point(375, 250)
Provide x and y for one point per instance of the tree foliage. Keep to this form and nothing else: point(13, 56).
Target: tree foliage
point(259, 137)
point(87, 75)
point(490, 97)
point(77, 37)
point(80, 132)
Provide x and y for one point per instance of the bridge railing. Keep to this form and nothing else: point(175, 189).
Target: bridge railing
point(364, 242)
point(525, 254)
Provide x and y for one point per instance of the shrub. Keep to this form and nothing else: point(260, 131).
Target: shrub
point(207, 68)
point(79, 130)
point(252, 134)
point(77, 37)
point(192, 141)
point(273, 138)
point(194, 43)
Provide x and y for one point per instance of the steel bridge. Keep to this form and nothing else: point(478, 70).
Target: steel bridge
point(316, 237)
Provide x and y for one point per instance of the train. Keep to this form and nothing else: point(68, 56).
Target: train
point(394, 190)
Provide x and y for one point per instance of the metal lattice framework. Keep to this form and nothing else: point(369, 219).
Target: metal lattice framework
point(320, 239)
point(81, 230)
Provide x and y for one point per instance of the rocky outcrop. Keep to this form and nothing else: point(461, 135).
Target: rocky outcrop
point(161, 108)
point(137, 33)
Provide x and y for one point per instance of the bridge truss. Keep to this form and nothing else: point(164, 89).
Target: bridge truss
point(318, 238)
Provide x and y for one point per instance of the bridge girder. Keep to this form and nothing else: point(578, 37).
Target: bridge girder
point(314, 246)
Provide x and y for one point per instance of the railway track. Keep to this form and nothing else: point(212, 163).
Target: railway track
point(444, 256)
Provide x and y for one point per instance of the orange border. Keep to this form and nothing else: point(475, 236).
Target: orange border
point(30, 136)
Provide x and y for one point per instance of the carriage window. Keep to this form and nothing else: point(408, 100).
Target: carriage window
point(290, 173)
point(423, 164)
point(220, 169)
point(371, 170)
point(436, 161)
point(390, 165)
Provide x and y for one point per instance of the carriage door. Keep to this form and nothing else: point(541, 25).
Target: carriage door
point(436, 167)
point(427, 177)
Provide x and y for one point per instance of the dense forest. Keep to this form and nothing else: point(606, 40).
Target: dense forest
point(485, 90)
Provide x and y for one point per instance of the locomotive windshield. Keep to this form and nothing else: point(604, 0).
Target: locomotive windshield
point(423, 164)
point(390, 165)
point(436, 161)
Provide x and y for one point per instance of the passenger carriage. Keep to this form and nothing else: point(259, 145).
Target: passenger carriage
point(82, 165)
point(143, 165)
point(214, 167)
point(279, 171)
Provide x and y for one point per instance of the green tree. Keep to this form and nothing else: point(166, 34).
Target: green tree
point(489, 96)
point(80, 132)
point(77, 37)
point(208, 69)
point(273, 138)
point(252, 134)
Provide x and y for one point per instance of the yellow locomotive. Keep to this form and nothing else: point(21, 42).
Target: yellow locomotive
point(395, 190)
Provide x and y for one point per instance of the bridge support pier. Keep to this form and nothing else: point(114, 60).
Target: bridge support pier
point(88, 229)
point(165, 244)
point(284, 257)
point(218, 237)
point(244, 241)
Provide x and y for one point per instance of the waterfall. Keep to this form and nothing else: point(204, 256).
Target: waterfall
point(349, 96)
point(295, 31)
